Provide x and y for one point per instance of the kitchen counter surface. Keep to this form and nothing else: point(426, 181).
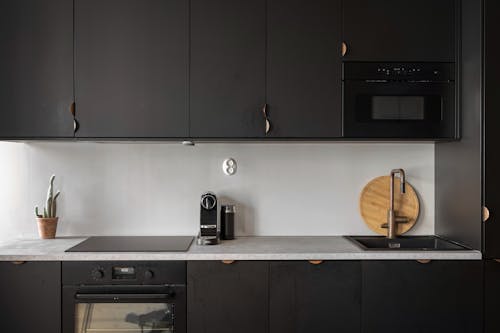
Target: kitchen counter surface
point(242, 248)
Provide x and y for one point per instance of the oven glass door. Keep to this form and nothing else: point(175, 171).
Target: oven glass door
point(124, 317)
point(399, 110)
point(124, 309)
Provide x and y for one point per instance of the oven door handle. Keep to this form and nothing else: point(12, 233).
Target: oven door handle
point(122, 297)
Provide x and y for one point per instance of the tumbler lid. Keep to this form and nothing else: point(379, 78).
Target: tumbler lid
point(229, 209)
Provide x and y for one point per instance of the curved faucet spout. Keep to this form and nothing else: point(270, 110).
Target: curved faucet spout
point(402, 176)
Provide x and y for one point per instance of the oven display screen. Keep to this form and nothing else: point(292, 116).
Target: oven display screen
point(124, 273)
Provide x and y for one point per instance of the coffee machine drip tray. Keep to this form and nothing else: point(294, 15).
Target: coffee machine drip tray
point(134, 244)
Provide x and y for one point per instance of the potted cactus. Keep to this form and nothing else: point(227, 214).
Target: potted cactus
point(47, 221)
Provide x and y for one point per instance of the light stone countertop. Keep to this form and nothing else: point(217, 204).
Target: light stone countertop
point(242, 248)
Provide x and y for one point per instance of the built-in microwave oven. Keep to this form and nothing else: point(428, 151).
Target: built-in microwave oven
point(399, 100)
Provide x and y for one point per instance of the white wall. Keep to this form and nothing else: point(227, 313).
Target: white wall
point(154, 188)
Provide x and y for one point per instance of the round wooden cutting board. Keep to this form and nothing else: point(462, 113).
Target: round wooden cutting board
point(374, 204)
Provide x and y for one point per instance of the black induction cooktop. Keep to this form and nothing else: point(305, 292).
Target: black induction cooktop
point(134, 244)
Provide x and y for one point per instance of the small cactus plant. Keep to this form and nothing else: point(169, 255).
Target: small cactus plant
point(50, 209)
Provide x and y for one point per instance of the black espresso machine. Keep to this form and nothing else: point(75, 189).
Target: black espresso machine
point(209, 220)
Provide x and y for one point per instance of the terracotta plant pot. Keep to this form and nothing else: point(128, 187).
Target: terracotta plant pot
point(47, 227)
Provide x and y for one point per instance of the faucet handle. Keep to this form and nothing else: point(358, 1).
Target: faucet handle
point(398, 220)
point(401, 219)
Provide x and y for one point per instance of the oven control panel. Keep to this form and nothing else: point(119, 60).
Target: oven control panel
point(106, 272)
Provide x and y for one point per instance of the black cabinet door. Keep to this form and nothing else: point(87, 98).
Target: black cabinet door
point(400, 30)
point(131, 68)
point(36, 68)
point(306, 298)
point(491, 119)
point(226, 298)
point(491, 296)
point(31, 297)
point(410, 297)
point(227, 68)
point(304, 92)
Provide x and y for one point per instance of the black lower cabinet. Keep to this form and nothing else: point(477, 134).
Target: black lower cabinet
point(410, 297)
point(30, 297)
point(491, 296)
point(307, 298)
point(227, 298)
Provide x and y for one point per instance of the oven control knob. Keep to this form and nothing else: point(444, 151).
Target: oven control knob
point(148, 274)
point(97, 274)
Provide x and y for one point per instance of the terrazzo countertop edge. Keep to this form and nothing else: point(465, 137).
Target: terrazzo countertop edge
point(242, 248)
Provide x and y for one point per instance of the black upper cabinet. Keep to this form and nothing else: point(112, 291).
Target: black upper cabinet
point(201, 69)
point(306, 298)
point(36, 68)
point(234, 74)
point(227, 68)
point(304, 68)
point(410, 297)
point(131, 68)
point(227, 298)
point(31, 297)
point(400, 30)
point(491, 176)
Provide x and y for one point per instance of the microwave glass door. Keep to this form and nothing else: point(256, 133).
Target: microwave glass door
point(399, 108)
point(124, 317)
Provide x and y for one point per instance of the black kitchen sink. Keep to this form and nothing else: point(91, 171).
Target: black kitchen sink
point(405, 243)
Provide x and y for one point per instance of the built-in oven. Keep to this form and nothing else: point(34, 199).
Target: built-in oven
point(119, 297)
point(399, 100)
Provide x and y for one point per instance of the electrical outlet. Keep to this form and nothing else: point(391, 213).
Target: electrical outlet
point(229, 166)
